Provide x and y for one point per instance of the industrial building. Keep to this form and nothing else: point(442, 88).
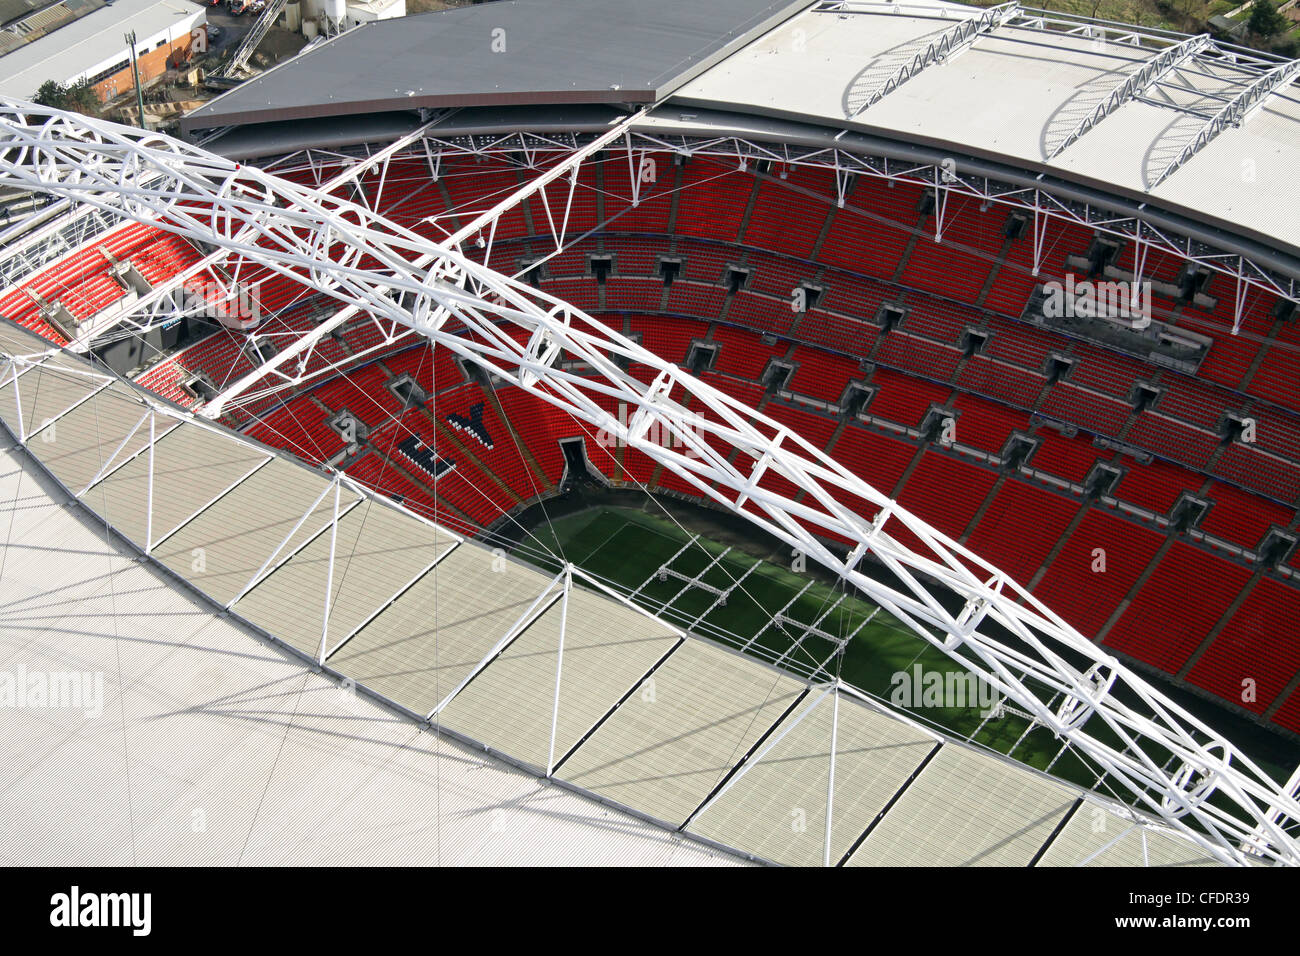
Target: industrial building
point(73, 40)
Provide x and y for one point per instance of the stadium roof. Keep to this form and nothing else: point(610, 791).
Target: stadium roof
point(1144, 116)
point(436, 628)
point(284, 766)
point(517, 52)
point(1015, 95)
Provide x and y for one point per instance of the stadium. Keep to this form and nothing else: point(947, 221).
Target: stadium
point(805, 433)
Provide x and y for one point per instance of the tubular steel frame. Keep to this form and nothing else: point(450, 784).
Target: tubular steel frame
point(1170, 763)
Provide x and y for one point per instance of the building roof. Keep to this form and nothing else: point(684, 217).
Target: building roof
point(1016, 93)
point(516, 52)
point(86, 43)
point(1012, 96)
point(289, 769)
point(436, 628)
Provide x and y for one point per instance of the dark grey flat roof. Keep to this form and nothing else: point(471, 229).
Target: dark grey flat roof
point(519, 52)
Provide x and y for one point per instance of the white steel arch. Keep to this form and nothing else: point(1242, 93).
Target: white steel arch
point(1171, 763)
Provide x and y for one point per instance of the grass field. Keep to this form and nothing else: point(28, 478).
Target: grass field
point(627, 547)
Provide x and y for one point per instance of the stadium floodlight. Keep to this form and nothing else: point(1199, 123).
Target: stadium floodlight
point(1173, 766)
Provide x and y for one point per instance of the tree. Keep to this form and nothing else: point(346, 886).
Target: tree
point(79, 97)
point(1265, 21)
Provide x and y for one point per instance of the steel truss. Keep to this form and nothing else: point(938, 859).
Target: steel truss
point(1039, 202)
point(1156, 66)
point(1170, 763)
point(1233, 113)
point(321, 524)
point(941, 49)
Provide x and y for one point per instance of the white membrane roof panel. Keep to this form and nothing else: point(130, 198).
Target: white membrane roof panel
point(672, 742)
point(1094, 836)
point(221, 549)
point(967, 809)
point(429, 640)
point(607, 649)
point(377, 552)
point(777, 809)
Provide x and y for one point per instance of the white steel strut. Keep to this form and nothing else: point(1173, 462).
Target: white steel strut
point(1171, 765)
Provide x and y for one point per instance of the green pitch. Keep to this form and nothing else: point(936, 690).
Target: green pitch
point(628, 547)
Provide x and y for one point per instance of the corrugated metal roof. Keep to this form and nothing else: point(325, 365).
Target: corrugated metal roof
point(91, 41)
point(282, 767)
point(1011, 97)
point(517, 52)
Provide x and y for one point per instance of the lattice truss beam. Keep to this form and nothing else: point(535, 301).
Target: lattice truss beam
point(1037, 202)
point(321, 520)
point(932, 49)
point(1169, 763)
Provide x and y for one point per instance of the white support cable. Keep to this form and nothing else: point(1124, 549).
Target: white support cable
point(185, 190)
point(559, 666)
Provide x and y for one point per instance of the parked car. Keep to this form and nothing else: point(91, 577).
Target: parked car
point(214, 31)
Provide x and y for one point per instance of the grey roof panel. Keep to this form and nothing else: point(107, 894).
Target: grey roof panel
point(221, 549)
point(191, 467)
point(379, 552)
point(607, 649)
point(82, 441)
point(1096, 837)
point(431, 638)
point(967, 809)
point(517, 52)
point(777, 809)
point(674, 740)
point(43, 394)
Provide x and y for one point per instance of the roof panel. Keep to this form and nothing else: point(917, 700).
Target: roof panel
point(777, 810)
point(516, 52)
point(607, 649)
point(430, 638)
point(191, 466)
point(379, 552)
point(86, 437)
point(967, 809)
point(221, 549)
point(1096, 837)
point(674, 740)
